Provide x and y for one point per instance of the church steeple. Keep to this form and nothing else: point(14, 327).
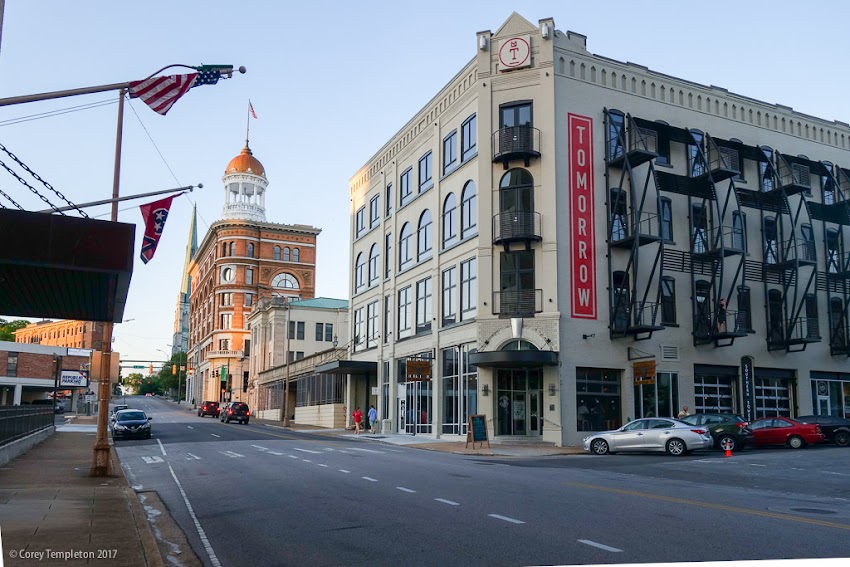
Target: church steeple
point(191, 248)
point(245, 188)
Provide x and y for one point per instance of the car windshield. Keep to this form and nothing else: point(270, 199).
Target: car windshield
point(690, 419)
point(131, 416)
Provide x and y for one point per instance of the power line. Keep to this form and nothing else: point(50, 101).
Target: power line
point(58, 112)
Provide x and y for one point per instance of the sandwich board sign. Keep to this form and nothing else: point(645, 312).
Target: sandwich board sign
point(476, 430)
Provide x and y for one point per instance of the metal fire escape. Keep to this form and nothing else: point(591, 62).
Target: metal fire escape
point(834, 212)
point(788, 269)
point(635, 246)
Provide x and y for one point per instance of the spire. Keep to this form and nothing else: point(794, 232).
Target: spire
point(191, 249)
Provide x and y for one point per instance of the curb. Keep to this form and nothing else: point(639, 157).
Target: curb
point(143, 527)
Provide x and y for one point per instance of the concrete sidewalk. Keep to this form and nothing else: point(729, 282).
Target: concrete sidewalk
point(48, 501)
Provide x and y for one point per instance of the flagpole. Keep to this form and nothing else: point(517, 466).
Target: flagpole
point(248, 125)
point(101, 461)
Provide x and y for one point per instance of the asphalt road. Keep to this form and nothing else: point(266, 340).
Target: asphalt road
point(263, 496)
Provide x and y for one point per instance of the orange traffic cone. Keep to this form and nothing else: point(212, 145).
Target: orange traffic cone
point(728, 453)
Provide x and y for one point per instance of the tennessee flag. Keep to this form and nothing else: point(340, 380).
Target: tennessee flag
point(154, 215)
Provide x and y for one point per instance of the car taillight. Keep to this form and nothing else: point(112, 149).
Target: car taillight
point(230, 411)
point(699, 431)
point(741, 424)
point(247, 413)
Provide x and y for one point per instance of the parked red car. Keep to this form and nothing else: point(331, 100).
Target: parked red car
point(785, 431)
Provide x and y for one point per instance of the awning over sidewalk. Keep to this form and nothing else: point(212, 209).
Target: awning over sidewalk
point(63, 267)
point(354, 367)
point(514, 358)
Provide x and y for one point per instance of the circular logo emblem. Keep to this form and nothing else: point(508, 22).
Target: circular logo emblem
point(504, 401)
point(514, 52)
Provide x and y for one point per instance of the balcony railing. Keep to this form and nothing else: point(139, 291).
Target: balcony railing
point(638, 317)
point(727, 240)
point(641, 146)
point(516, 142)
point(516, 225)
point(647, 228)
point(524, 302)
point(19, 421)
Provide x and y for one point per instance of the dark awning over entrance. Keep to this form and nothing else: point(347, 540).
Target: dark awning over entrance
point(356, 367)
point(64, 267)
point(514, 358)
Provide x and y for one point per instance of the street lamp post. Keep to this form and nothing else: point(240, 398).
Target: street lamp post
point(284, 409)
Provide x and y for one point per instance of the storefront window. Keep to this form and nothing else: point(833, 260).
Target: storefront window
point(773, 397)
point(598, 404)
point(715, 389)
point(659, 399)
point(460, 389)
point(831, 393)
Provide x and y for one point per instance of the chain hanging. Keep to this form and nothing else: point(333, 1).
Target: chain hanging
point(10, 200)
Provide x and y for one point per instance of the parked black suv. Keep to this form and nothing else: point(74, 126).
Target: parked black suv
point(208, 408)
point(727, 429)
point(836, 429)
point(235, 411)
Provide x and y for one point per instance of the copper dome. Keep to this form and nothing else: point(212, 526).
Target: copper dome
point(245, 162)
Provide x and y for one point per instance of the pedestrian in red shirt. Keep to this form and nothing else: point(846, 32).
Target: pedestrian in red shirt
point(358, 419)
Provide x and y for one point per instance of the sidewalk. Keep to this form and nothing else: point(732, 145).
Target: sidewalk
point(49, 502)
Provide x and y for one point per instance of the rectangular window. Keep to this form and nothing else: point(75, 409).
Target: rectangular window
point(666, 218)
point(405, 190)
point(12, 365)
point(744, 317)
point(739, 231)
point(226, 299)
point(696, 158)
point(450, 152)
point(516, 279)
point(388, 309)
point(359, 331)
point(663, 150)
point(668, 301)
point(426, 180)
point(320, 331)
point(598, 399)
point(468, 138)
point(224, 344)
point(360, 222)
point(291, 330)
point(329, 332)
point(771, 250)
point(388, 254)
point(299, 335)
point(374, 211)
point(225, 320)
point(249, 276)
point(699, 233)
point(388, 200)
point(372, 325)
point(468, 289)
point(423, 305)
point(404, 309)
point(249, 299)
point(450, 296)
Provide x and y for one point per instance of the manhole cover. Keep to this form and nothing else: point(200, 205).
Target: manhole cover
point(813, 511)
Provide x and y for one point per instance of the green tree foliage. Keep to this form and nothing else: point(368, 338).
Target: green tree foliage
point(8, 328)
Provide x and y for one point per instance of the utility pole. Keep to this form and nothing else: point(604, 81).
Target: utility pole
point(284, 408)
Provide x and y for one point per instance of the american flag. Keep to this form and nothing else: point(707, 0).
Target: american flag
point(251, 110)
point(160, 93)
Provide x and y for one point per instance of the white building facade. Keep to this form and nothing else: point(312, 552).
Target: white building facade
point(562, 242)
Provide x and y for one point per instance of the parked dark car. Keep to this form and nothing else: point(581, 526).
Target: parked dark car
point(836, 429)
point(60, 406)
point(208, 408)
point(130, 423)
point(727, 429)
point(235, 411)
point(785, 431)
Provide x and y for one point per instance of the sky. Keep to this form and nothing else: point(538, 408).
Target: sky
point(330, 83)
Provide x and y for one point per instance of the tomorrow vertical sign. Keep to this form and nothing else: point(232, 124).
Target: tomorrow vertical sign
point(582, 233)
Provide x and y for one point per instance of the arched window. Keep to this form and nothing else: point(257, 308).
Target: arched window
point(449, 220)
point(285, 281)
point(516, 199)
point(277, 252)
point(359, 273)
point(424, 237)
point(296, 255)
point(233, 249)
point(250, 249)
point(468, 211)
point(374, 256)
point(224, 248)
point(405, 250)
point(286, 254)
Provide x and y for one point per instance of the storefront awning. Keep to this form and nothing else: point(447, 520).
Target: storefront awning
point(514, 358)
point(356, 367)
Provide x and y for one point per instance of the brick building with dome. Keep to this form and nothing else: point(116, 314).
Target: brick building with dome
point(241, 259)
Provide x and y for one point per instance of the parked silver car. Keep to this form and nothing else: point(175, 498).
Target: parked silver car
point(650, 434)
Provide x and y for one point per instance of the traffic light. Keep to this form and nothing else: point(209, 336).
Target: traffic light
point(174, 370)
point(150, 370)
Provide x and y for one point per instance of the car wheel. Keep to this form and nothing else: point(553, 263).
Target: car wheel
point(796, 442)
point(676, 447)
point(246, 422)
point(148, 436)
point(727, 442)
point(599, 447)
point(842, 438)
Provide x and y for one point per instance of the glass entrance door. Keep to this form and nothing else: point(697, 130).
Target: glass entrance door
point(519, 401)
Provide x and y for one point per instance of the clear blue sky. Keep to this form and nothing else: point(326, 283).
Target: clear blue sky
point(331, 82)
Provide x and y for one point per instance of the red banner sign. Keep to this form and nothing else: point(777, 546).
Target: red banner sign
point(582, 232)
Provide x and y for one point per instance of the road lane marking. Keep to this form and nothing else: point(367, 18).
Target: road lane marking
point(403, 489)
point(152, 460)
point(191, 457)
point(366, 450)
point(275, 453)
point(307, 460)
point(345, 471)
point(292, 456)
point(190, 427)
point(308, 451)
point(260, 448)
point(370, 479)
point(505, 518)
point(755, 465)
point(600, 546)
point(213, 559)
point(321, 465)
point(444, 501)
point(214, 435)
point(676, 500)
point(161, 448)
point(231, 454)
